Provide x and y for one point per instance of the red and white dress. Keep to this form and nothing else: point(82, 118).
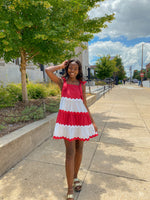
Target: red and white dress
point(73, 120)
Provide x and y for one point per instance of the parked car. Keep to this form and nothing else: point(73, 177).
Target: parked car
point(135, 80)
point(108, 80)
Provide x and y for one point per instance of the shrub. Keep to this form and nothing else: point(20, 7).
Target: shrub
point(6, 99)
point(52, 92)
point(2, 127)
point(12, 119)
point(29, 113)
point(100, 83)
point(33, 112)
point(53, 89)
point(12, 93)
point(36, 91)
point(53, 106)
point(15, 91)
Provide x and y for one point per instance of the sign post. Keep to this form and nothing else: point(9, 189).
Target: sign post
point(141, 75)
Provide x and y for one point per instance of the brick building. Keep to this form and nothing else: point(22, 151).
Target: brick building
point(148, 66)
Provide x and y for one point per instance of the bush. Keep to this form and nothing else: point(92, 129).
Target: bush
point(15, 91)
point(29, 113)
point(12, 119)
point(36, 91)
point(39, 91)
point(52, 93)
point(12, 93)
point(53, 89)
point(100, 83)
point(6, 99)
point(2, 127)
point(53, 106)
point(33, 112)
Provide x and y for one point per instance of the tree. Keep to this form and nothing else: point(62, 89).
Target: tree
point(148, 73)
point(136, 75)
point(45, 31)
point(105, 67)
point(121, 72)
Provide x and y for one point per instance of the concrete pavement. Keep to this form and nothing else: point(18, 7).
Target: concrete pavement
point(115, 164)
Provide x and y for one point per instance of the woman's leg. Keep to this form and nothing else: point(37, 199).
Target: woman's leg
point(70, 157)
point(78, 156)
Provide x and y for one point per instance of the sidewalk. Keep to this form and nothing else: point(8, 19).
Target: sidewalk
point(115, 164)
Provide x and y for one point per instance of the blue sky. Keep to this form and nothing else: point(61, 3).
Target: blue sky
point(125, 35)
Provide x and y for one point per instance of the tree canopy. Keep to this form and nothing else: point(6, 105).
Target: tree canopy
point(105, 67)
point(45, 31)
point(136, 74)
point(121, 72)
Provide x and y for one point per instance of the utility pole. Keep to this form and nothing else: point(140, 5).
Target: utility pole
point(130, 73)
point(142, 67)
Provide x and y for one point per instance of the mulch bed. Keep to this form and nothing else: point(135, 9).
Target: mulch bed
point(17, 109)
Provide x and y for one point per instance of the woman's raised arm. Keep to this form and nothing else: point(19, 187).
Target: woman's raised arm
point(50, 72)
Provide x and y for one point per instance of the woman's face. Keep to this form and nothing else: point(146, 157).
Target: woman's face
point(73, 69)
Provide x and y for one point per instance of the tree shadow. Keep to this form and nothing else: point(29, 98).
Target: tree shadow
point(34, 180)
point(39, 179)
point(110, 170)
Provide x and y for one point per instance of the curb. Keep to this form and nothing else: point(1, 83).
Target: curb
point(17, 145)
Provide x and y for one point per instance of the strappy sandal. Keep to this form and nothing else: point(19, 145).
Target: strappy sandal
point(77, 185)
point(70, 196)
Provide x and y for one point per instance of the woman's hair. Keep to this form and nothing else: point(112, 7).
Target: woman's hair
point(80, 73)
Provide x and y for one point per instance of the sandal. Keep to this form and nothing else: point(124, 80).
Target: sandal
point(77, 185)
point(70, 196)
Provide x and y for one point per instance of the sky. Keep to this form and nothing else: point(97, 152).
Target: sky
point(125, 35)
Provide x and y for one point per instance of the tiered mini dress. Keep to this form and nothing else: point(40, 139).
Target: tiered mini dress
point(73, 120)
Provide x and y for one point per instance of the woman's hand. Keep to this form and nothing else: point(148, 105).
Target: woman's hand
point(95, 127)
point(64, 64)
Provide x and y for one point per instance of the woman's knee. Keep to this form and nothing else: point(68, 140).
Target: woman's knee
point(70, 151)
point(79, 146)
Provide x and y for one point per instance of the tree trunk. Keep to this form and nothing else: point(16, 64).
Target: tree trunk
point(23, 77)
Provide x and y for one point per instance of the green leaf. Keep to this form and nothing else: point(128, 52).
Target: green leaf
point(2, 35)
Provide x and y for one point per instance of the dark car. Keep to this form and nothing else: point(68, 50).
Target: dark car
point(108, 80)
point(135, 81)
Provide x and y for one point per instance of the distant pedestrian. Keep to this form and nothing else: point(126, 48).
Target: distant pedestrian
point(74, 122)
point(124, 81)
point(139, 83)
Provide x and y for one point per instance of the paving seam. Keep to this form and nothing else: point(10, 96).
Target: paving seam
point(49, 163)
point(139, 112)
point(143, 120)
point(120, 145)
point(117, 175)
point(106, 122)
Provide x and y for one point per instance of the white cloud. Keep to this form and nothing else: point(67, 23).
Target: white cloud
point(132, 21)
point(131, 56)
point(132, 18)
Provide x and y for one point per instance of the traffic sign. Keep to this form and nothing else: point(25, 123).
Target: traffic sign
point(141, 74)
